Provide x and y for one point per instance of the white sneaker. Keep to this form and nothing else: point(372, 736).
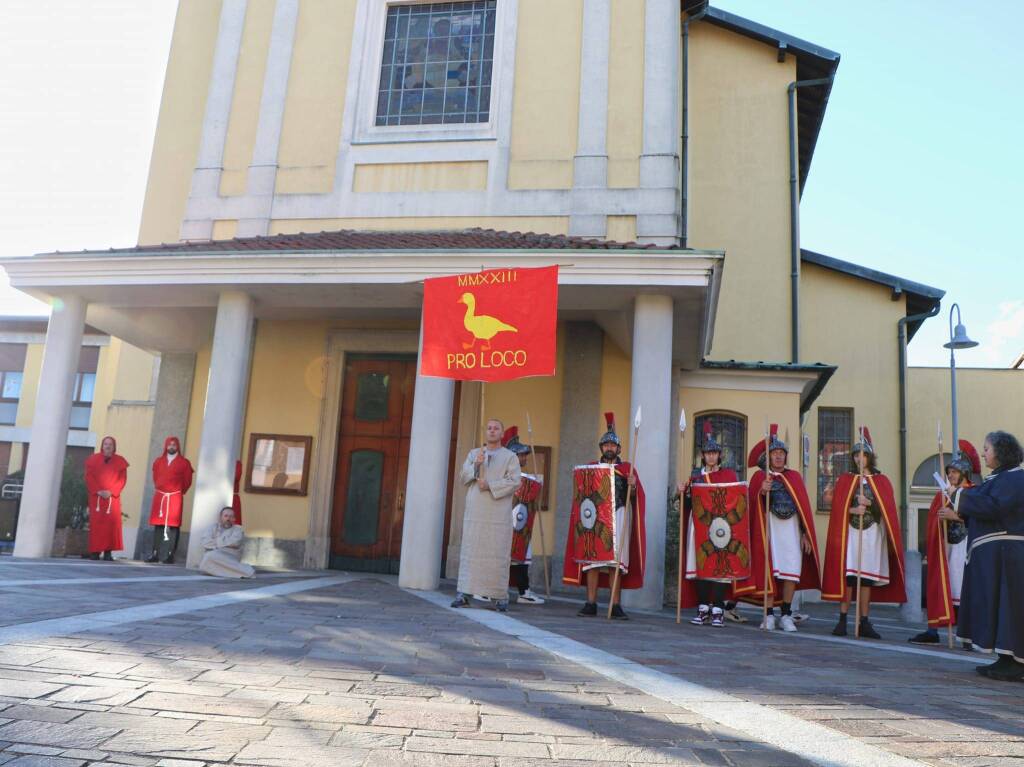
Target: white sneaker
point(787, 624)
point(703, 616)
point(529, 598)
point(800, 617)
point(768, 624)
point(717, 617)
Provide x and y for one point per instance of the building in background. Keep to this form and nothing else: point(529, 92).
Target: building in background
point(313, 162)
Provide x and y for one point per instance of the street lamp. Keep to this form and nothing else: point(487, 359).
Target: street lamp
point(957, 340)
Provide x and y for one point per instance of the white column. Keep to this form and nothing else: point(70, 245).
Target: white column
point(659, 161)
point(652, 390)
point(590, 166)
point(222, 416)
point(427, 482)
point(50, 428)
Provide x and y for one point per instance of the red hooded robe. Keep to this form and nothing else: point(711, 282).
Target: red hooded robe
point(572, 571)
point(110, 474)
point(688, 586)
point(833, 582)
point(171, 480)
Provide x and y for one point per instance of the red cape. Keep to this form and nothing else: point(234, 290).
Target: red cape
point(938, 594)
point(752, 589)
point(170, 483)
point(688, 587)
point(572, 572)
point(236, 499)
point(105, 513)
point(833, 582)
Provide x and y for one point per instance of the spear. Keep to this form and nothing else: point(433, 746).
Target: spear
point(540, 522)
point(767, 524)
point(623, 538)
point(860, 535)
point(944, 527)
point(679, 583)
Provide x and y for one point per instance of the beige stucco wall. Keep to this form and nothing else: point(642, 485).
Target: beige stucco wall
point(625, 97)
point(738, 186)
point(545, 224)
point(180, 122)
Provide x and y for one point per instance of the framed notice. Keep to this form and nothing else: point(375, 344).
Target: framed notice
point(278, 464)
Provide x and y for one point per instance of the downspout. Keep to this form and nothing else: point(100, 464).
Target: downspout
point(901, 335)
point(685, 164)
point(794, 214)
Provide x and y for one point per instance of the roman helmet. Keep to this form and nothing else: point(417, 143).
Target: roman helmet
point(864, 444)
point(610, 435)
point(968, 461)
point(756, 457)
point(709, 444)
point(510, 440)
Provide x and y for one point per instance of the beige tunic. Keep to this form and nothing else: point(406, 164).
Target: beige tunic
point(486, 533)
point(224, 553)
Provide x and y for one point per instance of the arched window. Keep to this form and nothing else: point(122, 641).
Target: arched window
point(730, 430)
point(923, 474)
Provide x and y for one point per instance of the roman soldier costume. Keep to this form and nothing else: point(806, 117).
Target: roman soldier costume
point(526, 501)
point(706, 594)
point(632, 562)
point(869, 545)
point(947, 551)
point(109, 473)
point(779, 533)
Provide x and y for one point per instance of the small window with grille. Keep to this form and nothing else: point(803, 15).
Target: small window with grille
point(730, 431)
point(835, 440)
point(436, 64)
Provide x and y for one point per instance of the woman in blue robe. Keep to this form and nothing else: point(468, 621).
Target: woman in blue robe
point(992, 599)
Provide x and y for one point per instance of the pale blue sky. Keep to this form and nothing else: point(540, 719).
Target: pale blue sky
point(918, 170)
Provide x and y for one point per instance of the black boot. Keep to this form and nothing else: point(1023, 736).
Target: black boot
point(840, 629)
point(169, 559)
point(1003, 665)
point(867, 631)
point(154, 557)
point(108, 556)
point(588, 610)
point(618, 614)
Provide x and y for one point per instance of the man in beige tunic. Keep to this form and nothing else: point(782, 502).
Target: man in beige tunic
point(223, 544)
point(492, 474)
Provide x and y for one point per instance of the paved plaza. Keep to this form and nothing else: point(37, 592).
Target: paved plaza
point(151, 665)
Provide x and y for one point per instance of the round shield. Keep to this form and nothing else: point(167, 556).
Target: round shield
point(519, 516)
point(719, 533)
point(588, 513)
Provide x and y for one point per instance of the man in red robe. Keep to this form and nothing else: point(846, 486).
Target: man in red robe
point(708, 596)
point(106, 474)
point(632, 568)
point(172, 477)
point(947, 549)
point(785, 533)
point(863, 539)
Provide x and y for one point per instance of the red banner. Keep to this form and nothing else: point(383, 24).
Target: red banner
point(496, 325)
point(721, 530)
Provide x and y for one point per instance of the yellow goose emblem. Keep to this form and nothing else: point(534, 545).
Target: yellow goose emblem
point(483, 327)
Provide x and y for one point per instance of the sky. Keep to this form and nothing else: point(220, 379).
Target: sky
point(918, 169)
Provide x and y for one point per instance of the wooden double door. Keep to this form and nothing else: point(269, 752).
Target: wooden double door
point(373, 460)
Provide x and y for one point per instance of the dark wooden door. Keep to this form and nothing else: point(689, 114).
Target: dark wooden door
point(373, 459)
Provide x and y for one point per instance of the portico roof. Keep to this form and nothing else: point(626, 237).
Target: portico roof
point(164, 297)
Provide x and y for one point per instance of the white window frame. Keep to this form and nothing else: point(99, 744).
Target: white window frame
point(366, 129)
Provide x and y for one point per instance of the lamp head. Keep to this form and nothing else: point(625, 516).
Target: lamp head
point(960, 339)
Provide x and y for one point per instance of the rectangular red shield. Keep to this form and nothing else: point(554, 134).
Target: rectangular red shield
point(495, 325)
point(721, 530)
point(593, 520)
point(524, 511)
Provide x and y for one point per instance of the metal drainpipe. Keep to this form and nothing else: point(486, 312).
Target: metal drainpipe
point(794, 216)
point(901, 335)
point(685, 165)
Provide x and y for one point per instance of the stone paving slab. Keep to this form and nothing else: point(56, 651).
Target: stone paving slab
point(364, 674)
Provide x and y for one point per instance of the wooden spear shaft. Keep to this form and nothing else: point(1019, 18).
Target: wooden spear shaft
point(546, 557)
point(624, 540)
point(767, 531)
point(944, 532)
point(860, 536)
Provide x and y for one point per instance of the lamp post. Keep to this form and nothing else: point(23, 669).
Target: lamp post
point(957, 340)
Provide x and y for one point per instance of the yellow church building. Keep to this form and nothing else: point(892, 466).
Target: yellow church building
point(316, 160)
